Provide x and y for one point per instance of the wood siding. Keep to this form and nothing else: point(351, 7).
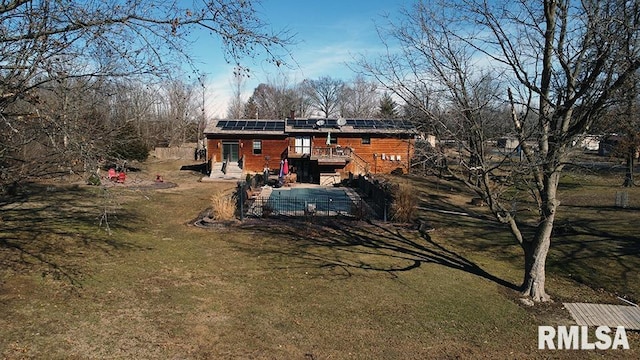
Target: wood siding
point(371, 154)
point(272, 149)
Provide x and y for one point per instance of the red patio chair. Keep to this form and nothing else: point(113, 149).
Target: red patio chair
point(121, 177)
point(112, 174)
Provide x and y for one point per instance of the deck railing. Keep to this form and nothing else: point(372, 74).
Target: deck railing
point(320, 151)
point(330, 152)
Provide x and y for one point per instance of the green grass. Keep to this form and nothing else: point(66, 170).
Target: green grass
point(157, 287)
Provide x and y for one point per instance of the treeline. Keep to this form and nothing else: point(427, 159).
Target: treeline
point(84, 83)
point(323, 97)
point(74, 125)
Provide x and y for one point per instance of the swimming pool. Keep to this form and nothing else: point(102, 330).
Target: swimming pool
point(305, 201)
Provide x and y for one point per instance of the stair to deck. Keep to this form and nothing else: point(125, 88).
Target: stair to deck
point(232, 171)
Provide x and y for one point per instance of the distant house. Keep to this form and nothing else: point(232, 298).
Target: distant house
point(608, 144)
point(316, 150)
point(508, 143)
point(590, 142)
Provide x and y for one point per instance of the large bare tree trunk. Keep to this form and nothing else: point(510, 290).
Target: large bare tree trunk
point(629, 178)
point(536, 250)
point(535, 256)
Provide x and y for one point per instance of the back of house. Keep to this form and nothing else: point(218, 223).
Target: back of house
point(315, 150)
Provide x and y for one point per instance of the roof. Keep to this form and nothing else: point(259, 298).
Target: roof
point(262, 127)
point(310, 125)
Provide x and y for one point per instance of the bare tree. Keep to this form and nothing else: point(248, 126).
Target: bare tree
point(622, 129)
point(325, 95)
point(627, 121)
point(559, 65)
point(630, 130)
point(182, 111)
point(302, 106)
point(236, 105)
point(43, 43)
point(359, 98)
point(136, 103)
point(273, 100)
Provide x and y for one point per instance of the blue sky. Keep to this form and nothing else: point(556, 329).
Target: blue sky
point(329, 34)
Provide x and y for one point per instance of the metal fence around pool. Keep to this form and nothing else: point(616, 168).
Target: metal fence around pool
point(292, 206)
point(369, 202)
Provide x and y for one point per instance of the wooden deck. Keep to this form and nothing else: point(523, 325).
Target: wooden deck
point(604, 314)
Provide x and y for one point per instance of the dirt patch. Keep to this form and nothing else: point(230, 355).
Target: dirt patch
point(154, 186)
point(138, 184)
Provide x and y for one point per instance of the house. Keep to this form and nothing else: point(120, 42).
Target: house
point(590, 142)
point(609, 144)
point(508, 143)
point(317, 150)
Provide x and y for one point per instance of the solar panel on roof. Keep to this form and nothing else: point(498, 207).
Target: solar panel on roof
point(303, 123)
point(257, 125)
point(271, 125)
point(362, 124)
point(378, 124)
point(383, 125)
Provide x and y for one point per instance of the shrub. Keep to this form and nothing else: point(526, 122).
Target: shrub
point(405, 203)
point(267, 210)
point(128, 145)
point(93, 179)
point(224, 206)
point(360, 210)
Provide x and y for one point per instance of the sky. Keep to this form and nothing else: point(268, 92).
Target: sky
point(328, 35)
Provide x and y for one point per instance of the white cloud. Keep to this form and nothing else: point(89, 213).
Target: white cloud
point(312, 62)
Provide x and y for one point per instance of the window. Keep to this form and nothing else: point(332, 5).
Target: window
point(366, 140)
point(257, 147)
point(303, 145)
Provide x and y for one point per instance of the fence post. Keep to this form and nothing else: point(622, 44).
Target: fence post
point(241, 195)
point(384, 208)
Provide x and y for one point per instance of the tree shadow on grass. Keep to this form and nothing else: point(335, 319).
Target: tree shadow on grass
point(349, 244)
point(596, 257)
point(601, 254)
point(56, 230)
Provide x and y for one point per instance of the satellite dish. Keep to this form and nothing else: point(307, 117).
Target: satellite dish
point(320, 122)
point(341, 122)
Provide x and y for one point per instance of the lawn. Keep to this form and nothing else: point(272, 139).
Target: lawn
point(152, 286)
